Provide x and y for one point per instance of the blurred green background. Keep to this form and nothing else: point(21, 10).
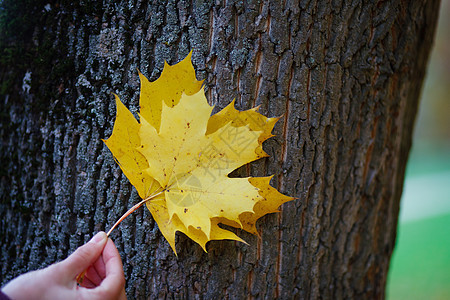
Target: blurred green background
point(420, 266)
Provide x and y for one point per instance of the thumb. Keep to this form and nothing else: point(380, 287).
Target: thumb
point(85, 255)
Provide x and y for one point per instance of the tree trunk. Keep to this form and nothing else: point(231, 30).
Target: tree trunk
point(345, 77)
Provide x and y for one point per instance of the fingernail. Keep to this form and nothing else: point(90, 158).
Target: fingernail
point(98, 237)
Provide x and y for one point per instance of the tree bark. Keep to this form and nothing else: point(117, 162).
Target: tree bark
point(344, 76)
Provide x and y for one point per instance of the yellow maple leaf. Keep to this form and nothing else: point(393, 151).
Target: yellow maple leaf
point(178, 158)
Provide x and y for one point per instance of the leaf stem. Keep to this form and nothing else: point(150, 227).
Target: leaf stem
point(133, 209)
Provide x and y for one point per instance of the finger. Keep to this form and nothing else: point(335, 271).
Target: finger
point(98, 270)
point(84, 256)
point(93, 276)
point(114, 281)
point(123, 295)
point(87, 283)
point(99, 266)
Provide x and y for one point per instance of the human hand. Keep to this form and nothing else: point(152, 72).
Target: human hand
point(104, 278)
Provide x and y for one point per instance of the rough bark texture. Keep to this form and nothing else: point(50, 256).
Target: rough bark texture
point(345, 76)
